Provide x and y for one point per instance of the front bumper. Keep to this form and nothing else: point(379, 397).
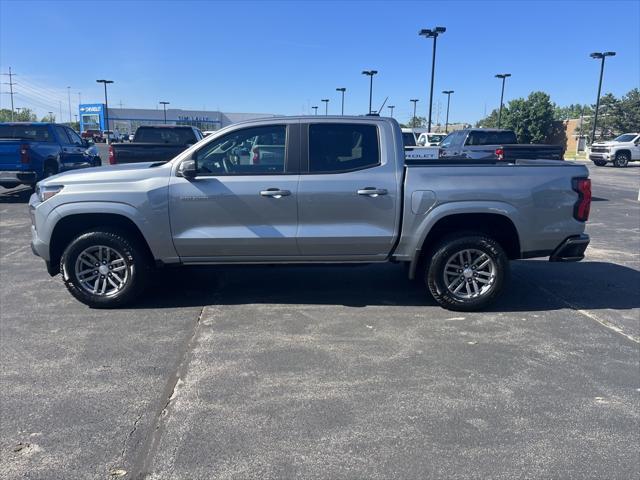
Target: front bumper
point(17, 177)
point(571, 249)
point(600, 156)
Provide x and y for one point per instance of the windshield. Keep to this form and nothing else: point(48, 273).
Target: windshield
point(409, 139)
point(38, 133)
point(436, 138)
point(627, 137)
point(177, 136)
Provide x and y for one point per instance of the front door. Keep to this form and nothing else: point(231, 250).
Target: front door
point(242, 202)
point(348, 195)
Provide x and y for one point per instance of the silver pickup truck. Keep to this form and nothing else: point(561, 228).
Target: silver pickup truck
point(340, 193)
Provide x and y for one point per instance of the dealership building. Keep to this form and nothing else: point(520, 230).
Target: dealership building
point(127, 120)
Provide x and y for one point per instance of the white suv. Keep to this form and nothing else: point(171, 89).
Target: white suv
point(620, 151)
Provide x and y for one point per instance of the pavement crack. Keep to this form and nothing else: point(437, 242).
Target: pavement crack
point(128, 437)
point(142, 463)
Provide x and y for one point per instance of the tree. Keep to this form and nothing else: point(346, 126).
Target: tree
point(49, 118)
point(417, 122)
point(22, 115)
point(572, 111)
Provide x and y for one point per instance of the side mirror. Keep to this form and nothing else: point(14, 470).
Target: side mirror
point(188, 169)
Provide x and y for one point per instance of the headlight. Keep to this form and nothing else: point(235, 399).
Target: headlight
point(45, 193)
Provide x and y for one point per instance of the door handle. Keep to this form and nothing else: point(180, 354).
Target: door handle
point(275, 193)
point(372, 191)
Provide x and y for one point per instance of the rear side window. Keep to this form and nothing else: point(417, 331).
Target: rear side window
point(175, 136)
point(340, 147)
point(62, 135)
point(37, 133)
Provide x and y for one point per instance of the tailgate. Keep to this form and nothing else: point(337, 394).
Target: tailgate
point(10, 155)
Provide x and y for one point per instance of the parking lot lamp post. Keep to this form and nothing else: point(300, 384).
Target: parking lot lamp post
point(315, 110)
point(432, 33)
point(391, 107)
point(413, 119)
point(503, 76)
point(326, 106)
point(370, 73)
point(106, 106)
point(342, 90)
point(164, 109)
point(600, 56)
point(446, 123)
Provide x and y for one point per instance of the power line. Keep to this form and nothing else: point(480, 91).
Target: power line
point(11, 84)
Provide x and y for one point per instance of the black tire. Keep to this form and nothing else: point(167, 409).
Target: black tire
point(600, 163)
point(452, 246)
point(138, 268)
point(50, 169)
point(622, 159)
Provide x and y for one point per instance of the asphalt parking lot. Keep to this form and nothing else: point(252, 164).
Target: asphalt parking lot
point(328, 372)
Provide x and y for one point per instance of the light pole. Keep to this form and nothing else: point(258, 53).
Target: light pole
point(370, 73)
point(601, 56)
point(315, 110)
point(432, 33)
point(342, 90)
point(106, 106)
point(326, 106)
point(164, 109)
point(51, 117)
point(446, 123)
point(391, 107)
point(415, 102)
point(69, 100)
point(503, 76)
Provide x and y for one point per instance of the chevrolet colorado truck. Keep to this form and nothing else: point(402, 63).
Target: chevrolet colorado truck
point(341, 192)
point(620, 151)
point(154, 143)
point(494, 144)
point(31, 151)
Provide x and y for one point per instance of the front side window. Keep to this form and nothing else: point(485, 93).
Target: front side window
point(62, 135)
point(340, 147)
point(251, 151)
point(74, 137)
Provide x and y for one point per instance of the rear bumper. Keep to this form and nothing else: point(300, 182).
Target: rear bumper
point(571, 249)
point(17, 177)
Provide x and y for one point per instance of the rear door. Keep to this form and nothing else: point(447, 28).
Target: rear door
point(349, 191)
point(235, 207)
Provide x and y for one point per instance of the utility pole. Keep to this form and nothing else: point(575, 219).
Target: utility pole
point(106, 105)
point(342, 89)
point(326, 106)
point(60, 106)
point(432, 33)
point(602, 56)
point(413, 119)
point(391, 107)
point(370, 73)
point(503, 76)
point(11, 84)
point(315, 110)
point(446, 124)
point(69, 99)
point(164, 108)
point(51, 116)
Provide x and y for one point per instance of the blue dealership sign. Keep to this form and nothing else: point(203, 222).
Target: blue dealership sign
point(92, 116)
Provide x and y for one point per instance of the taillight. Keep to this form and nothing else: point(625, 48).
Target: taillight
point(500, 153)
point(256, 156)
point(25, 155)
point(113, 159)
point(581, 209)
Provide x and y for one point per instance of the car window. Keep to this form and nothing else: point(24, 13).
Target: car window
point(409, 139)
point(627, 137)
point(335, 148)
point(38, 133)
point(74, 137)
point(250, 151)
point(174, 136)
point(62, 135)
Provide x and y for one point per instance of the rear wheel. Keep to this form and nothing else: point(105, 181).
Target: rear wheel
point(600, 163)
point(50, 169)
point(622, 159)
point(467, 273)
point(105, 269)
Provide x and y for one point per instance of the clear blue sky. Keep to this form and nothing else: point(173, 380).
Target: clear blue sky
point(283, 57)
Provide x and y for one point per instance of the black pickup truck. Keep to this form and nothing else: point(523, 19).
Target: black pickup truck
point(494, 145)
point(154, 143)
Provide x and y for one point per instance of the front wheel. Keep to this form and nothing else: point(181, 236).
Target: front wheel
point(622, 159)
point(599, 163)
point(467, 273)
point(105, 269)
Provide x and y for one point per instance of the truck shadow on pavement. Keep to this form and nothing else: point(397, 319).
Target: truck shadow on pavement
point(533, 286)
point(15, 195)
